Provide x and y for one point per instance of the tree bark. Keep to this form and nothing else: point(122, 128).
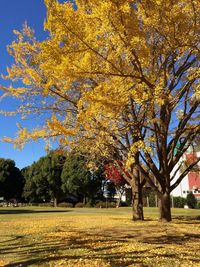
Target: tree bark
point(55, 202)
point(164, 207)
point(118, 202)
point(137, 203)
point(120, 190)
point(137, 207)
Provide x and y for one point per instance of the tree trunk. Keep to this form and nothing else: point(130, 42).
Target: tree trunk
point(136, 186)
point(120, 190)
point(137, 203)
point(55, 202)
point(164, 207)
point(84, 200)
point(118, 202)
point(147, 202)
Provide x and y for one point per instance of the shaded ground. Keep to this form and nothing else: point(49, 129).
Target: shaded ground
point(91, 237)
point(24, 211)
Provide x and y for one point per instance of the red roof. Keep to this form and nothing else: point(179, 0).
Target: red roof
point(190, 158)
point(194, 180)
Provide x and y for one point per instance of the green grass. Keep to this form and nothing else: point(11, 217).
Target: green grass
point(90, 237)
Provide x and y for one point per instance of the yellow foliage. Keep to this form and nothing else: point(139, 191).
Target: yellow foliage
point(104, 65)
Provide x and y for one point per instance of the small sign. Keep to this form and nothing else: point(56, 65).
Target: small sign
point(1, 198)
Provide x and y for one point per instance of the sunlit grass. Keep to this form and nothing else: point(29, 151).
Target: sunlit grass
point(97, 237)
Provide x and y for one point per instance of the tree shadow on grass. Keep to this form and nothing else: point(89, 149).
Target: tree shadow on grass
point(24, 211)
point(79, 244)
point(95, 245)
point(172, 239)
point(50, 251)
point(114, 259)
point(187, 219)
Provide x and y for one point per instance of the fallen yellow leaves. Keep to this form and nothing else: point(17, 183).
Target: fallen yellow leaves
point(98, 239)
point(2, 263)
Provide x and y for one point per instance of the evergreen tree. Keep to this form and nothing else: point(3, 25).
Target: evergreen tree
point(77, 179)
point(191, 200)
point(11, 180)
point(43, 179)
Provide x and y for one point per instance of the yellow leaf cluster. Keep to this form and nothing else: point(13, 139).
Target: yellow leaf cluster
point(104, 65)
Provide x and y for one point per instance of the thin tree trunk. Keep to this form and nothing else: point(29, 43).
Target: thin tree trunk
point(118, 202)
point(164, 207)
point(55, 202)
point(147, 202)
point(120, 191)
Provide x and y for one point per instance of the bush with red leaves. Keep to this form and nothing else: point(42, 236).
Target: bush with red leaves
point(114, 175)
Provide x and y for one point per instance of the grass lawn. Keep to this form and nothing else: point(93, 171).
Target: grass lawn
point(97, 237)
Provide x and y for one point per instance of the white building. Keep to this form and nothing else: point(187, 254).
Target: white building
point(191, 182)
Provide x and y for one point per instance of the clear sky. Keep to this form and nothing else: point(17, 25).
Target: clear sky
point(13, 14)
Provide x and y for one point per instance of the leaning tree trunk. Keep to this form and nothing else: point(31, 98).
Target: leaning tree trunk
point(164, 207)
point(120, 191)
point(118, 201)
point(137, 203)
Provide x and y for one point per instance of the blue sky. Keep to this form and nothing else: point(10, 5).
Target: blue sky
point(13, 14)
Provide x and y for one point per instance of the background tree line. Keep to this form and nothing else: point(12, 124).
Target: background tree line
point(54, 178)
point(62, 178)
point(67, 178)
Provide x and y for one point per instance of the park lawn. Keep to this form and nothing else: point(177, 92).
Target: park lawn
point(97, 237)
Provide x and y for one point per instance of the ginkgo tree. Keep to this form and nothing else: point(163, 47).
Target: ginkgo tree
point(119, 78)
